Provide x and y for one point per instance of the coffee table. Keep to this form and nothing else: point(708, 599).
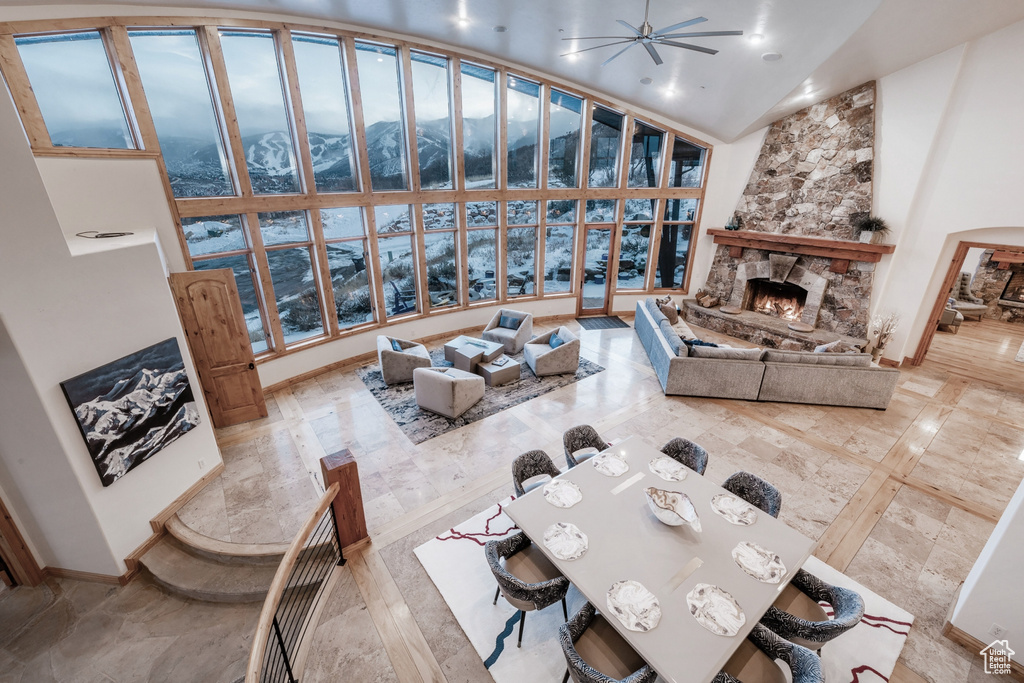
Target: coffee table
point(496, 375)
point(466, 352)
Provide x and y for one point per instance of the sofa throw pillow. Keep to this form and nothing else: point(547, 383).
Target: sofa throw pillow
point(395, 345)
point(732, 354)
point(555, 341)
point(509, 322)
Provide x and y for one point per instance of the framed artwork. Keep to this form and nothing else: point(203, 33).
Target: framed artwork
point(131, 408)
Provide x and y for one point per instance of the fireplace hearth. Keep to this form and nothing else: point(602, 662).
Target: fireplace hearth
point(777, 299)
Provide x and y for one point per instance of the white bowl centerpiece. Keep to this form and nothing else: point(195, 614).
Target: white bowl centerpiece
point(672, 508)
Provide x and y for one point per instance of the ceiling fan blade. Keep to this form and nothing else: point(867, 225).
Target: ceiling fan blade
point(631, 44)
point(682, 24)
point(632, 28)
point(587, 49)
point(687, 46)
point(699, 34)
point(597, 37)
point(653, 53)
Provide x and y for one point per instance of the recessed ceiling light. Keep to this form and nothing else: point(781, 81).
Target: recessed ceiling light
point(669, 92)
point(463, 21)
point(756, 37)
point(771, 56)
point(500, 29)
point(646, 80)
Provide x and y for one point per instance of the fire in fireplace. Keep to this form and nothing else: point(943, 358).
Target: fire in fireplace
point(777, 299)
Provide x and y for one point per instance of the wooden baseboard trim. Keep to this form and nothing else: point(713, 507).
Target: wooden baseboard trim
point(92, 577)
point(968, 641)
point(887, 363)
point(158, 522)
point(367, 357)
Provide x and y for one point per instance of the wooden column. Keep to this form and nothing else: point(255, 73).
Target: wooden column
point(341, 468)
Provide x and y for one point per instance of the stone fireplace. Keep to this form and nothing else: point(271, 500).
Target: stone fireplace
point(794, 277)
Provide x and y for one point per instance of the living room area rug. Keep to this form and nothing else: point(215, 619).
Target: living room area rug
point(455, 562)
point(420, 425)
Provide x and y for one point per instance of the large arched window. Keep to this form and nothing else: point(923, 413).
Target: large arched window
point(349, 182)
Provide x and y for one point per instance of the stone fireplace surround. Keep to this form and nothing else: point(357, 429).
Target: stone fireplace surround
point(836, 274)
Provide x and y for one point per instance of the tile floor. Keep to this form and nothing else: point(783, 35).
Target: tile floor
point(957, 434)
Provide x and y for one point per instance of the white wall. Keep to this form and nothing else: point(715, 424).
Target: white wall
point(993, 592)
point(971, 177)
point(67, 314)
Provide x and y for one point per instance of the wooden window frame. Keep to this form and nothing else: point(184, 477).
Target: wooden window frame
point(114, 32)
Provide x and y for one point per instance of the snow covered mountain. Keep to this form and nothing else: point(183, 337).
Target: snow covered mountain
point(136, 418)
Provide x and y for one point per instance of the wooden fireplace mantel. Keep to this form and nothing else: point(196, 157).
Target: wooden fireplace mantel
point(840, 251)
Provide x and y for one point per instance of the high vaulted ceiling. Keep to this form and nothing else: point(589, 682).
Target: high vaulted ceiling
point(827, 46)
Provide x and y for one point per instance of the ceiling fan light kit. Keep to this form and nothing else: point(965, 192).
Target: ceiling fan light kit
point(647, 36)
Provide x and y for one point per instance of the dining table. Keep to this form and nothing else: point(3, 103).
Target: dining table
point(626, 541)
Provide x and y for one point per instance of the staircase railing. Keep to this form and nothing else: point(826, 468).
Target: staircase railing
point(294, 595)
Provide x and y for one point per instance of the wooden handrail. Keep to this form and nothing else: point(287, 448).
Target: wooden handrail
point(277, 586)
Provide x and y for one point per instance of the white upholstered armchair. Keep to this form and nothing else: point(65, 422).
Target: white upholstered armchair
point(397, 365)
point(543, 359)
point(510, 328)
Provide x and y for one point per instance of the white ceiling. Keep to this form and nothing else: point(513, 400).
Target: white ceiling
point(827, 46)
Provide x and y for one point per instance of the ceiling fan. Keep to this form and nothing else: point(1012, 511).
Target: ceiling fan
point(648, 37)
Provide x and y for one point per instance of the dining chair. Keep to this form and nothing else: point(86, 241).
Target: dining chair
point(798, 617)
point(535, 466)
point(687, 453)
point(579, 437)
point(755, 491)
point(525, 577)
point(596, 653)
point(754, 661)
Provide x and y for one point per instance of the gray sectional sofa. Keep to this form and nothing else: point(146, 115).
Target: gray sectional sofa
point(836, 379)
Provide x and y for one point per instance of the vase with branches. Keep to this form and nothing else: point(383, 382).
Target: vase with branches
point(882, 328)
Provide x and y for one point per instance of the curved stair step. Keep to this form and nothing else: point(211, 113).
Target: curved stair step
point(202, 578)
point(224, 551)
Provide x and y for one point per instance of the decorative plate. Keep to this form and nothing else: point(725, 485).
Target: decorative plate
point(566, 541)
point(672, 508)
point(759, 562)
point(610, 464)
point(668, 469)
point(735, 510)
point(634, 606)
point(562, 493)
point(715, 609)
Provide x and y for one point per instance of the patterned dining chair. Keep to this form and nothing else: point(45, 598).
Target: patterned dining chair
point(687, 453)
point(525, 576)
point(798, 617)
point(755, 491)
point(532, 465)
point(754, 661)
point(579, 437)
point(589, 641)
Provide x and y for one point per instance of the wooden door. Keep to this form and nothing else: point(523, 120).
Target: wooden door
point(594, 285)
point(218, 338)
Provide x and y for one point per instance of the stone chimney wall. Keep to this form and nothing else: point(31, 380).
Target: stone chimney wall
point(813, 176)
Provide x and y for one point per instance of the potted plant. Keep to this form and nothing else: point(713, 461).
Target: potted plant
point(872, 229)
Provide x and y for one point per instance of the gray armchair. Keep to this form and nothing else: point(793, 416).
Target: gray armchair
point(447, 391)
point(544, 360)
point(951, 318)
point(513, 339)
point(966, 302)
point(398, 366)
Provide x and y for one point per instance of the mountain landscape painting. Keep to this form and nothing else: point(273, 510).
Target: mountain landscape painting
point(131, 408)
